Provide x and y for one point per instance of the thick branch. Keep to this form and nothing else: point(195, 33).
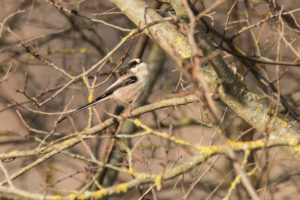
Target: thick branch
point(246, 104)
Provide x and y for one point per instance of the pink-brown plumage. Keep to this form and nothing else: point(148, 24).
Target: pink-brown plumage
point(133, 91)
point(126, 89)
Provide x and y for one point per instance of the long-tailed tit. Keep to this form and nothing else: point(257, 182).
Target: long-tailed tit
point(128, 88)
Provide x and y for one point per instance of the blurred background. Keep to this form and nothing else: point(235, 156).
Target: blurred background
point(44, 44)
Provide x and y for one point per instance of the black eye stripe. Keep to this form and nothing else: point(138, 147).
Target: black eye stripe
point(130, 64)
point(133, 64)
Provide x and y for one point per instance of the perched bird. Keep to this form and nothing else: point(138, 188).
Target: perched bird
point(127, 88)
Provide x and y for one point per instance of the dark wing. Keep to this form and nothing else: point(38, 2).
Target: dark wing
point(122, 82)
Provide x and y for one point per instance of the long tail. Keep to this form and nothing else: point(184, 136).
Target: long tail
point(97, 100)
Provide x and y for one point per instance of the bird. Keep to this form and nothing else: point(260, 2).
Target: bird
point(126, 89)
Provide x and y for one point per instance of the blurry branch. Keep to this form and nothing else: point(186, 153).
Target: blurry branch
point(7, 74)
point(44, 60)
point(247, 28)
point(246, 104)
point(13, 20)
point(204, 152)
point(41, 39)
point(101, 61)
point(140, 46)
point(288, 16)
point(259, 59)
point(74, 12)
point(6, 175)
point(98, 43)
point(39, 95)
point(249, 106)
point(7, 18)
point(54, 149)
point(164, 34)
point(251, 62)
point(92, 68)
point(237, 179)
